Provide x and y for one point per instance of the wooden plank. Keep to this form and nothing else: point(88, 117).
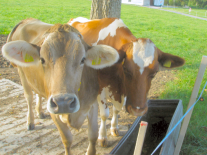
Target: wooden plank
point(169, 145)
point(192, 100)
point(140, 138)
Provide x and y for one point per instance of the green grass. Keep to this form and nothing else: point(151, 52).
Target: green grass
point(172, 33)
point(195, 12)
point(49, 11)
point(186, 37)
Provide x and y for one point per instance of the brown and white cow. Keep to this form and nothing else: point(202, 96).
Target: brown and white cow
point(131, 77)
point(55, 62)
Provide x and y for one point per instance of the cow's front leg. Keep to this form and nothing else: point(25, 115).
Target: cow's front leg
point(38, 107)
point(114, 123)
point(29, 98)
point(104, 113)
point(65, 133)
point(92, 129)
point(117, 106)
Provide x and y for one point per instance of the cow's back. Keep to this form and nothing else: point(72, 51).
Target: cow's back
point(107, 31)
point(29, 30)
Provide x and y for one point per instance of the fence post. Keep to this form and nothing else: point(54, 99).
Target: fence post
point(194, 94)
point(140, 138)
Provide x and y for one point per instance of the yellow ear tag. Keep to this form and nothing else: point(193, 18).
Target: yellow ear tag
point(167, 64)
point(28, 58)
point(96, 61)
point(123, 61)
point(79, 88)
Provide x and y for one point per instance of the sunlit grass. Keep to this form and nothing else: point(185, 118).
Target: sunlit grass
point(172, 33)
point(194, 12)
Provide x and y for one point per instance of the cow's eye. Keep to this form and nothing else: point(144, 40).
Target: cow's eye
point(42, 60)
point(82, 61)
point(152, 75)
point(127, 72)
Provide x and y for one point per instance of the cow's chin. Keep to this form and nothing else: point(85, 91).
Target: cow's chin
point(137, 112)
point(64, 118)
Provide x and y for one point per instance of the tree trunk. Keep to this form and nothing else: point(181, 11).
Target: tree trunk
point(105, 9)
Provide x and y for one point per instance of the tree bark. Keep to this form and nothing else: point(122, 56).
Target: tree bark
point(105, 9)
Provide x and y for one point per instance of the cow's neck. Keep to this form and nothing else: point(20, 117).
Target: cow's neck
point(89, 84)
point(87, 96)
point(113, 78)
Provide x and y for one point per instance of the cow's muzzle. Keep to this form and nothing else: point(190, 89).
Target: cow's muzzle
point(137, 111)
point(63, 104)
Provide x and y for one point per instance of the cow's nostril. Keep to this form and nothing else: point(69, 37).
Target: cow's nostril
point(73, 103)
point(52, 103)
point(63, 104)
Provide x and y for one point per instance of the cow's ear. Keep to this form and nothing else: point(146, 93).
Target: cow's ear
point(21, 53)
point(101, 56)
point(167, 60)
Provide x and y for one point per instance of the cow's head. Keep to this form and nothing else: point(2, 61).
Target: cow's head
point(140, 65)
point(60, 57)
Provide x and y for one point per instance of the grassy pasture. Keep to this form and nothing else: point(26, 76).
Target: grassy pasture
point(195, 12)
point(172, 33)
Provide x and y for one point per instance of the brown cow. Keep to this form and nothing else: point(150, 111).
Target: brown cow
point(50, 60)
point(131, 78)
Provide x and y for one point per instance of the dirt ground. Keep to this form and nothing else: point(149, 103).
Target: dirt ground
point(45, 139)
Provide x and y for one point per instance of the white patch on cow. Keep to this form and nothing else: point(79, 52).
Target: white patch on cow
point(123, 107)
point(107, 96)
point(104, 112)
point(103, 98)
point(110, 29)
point(80, 20)
point(125, 98)
point(114, 120)
point(138, 107)
point(143, 54)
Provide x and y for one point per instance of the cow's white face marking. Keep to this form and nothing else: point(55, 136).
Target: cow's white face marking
point(80, 20)
point(143, 53)
point(110, 29)
point(138, 107)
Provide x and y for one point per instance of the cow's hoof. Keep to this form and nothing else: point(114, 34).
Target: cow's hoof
point(41, 115)
point(30, 127)
point(115, 132)
point(103, 142)
point(91, 151)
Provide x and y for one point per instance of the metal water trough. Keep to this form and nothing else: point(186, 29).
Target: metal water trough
point(162, 115)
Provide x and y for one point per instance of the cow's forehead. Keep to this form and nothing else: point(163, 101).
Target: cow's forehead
point(143, 53)
point(67, 44)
